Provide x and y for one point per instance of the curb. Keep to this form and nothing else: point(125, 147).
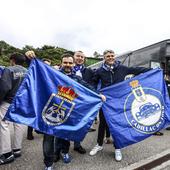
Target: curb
point(163, 158)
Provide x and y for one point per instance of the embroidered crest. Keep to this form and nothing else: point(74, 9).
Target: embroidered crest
point(59, 106)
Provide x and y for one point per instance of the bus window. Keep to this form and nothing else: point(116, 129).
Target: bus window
point(124, 60)
point(168, 50)
point(154, 64)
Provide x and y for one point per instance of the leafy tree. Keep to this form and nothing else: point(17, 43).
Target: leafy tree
point(47, 51)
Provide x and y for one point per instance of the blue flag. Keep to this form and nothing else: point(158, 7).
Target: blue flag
point(53, 103)
point(137, 108)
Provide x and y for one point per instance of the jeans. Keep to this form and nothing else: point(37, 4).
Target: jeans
point(62, 145)
point(53, 146)
point(77, 144)
point(48, 149)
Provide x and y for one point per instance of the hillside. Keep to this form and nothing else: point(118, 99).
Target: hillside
point(51, 52)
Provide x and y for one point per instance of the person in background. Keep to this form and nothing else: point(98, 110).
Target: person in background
point(167, 80)
point(10, 81)
point(57, 67)
point(46, 61)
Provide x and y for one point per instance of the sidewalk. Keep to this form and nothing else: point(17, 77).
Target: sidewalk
point(32, 158)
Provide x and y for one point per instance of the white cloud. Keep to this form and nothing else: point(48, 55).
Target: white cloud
point(88, 25)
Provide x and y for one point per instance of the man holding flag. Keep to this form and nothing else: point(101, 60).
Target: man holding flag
point(67, 63)
point(137, 108)
point(55, 104)
point(111, 72)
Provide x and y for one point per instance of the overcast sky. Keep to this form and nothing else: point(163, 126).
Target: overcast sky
point(87, 25)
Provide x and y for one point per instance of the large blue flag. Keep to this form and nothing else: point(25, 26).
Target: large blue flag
point(137, 108)
point(53, 103)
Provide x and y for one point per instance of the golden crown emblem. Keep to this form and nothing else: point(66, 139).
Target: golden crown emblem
point(134, 83)
point(67, 92)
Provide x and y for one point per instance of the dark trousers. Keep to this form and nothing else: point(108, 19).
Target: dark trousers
point(48, 149)
point(102, 128)
point(77, 144)
point(62, 145)
point(53, 146)
point(29, 131)
point(107, 132)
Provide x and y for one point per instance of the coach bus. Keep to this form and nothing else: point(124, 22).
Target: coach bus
point(152, 56)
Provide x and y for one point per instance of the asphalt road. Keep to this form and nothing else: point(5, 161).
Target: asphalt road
point(32, 157)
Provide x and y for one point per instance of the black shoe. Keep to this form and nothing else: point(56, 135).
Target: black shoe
point(30, 137)
point(80, 149)
point(92, 130)
point(56, 158)
point(158, 134)
point(17, 153)
point(6, 159)
point(168, 128)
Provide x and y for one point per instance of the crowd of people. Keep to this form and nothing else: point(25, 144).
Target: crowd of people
point(72, 65)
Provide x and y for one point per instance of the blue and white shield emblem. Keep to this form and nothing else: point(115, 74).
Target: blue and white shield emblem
point(144, 109)
point(57, 110)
